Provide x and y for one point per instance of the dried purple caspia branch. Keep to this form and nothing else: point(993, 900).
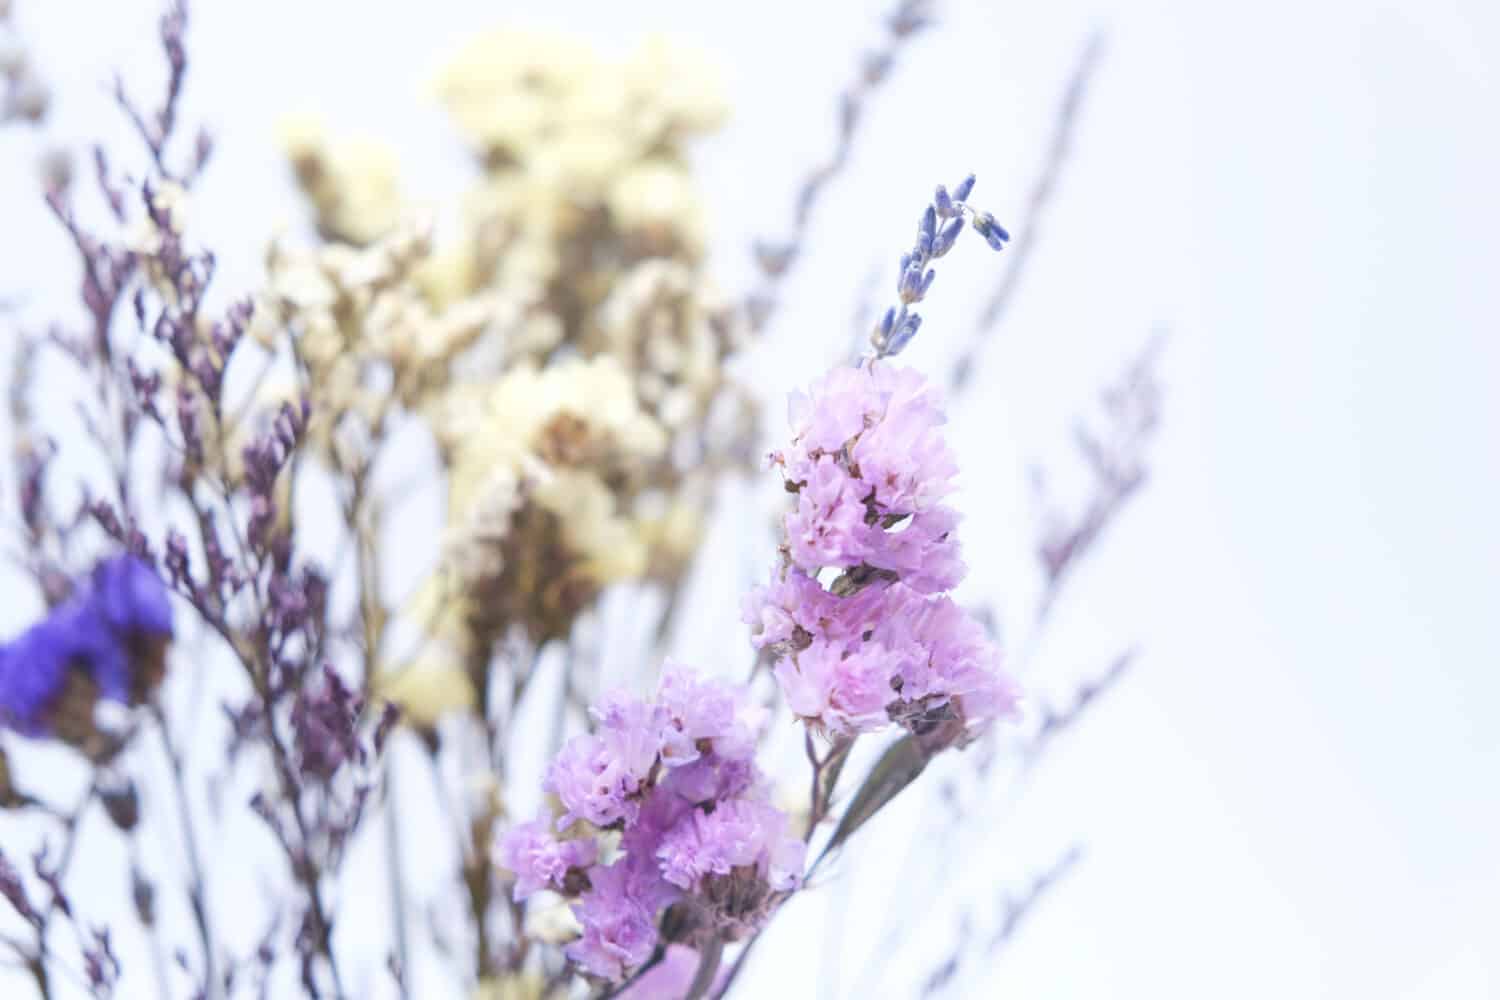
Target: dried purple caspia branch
point(1044, 188)
point(1116, 458)
point(776, 257)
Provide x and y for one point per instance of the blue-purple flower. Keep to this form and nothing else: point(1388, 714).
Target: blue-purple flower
point(108, 640)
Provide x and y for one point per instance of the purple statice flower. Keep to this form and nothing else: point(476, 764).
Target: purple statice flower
point(598, 775)
point(702, 718)
point(618, 915)
point(794, 609)
point(870, 468)
point(540, 860)
point(841, 690)
point(676, 776)
point(944, 654)
point(738, 834)
point(880, 642)
point(111, 634)
point(668, 979)
point(828, 527)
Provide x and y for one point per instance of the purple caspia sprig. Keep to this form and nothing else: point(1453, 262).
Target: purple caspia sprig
point(900, 323)
point(776, 258)
point(106, 641)
point(703, 857)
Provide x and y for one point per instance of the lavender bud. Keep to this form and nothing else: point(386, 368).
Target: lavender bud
point(994, 233)
point(773, 258)
point(908, 19)
point(942, 202)
point(876, 65)
point(964, 189)
point(947, 236)
point(910, 285)
point(928, 228)
point(904, 334)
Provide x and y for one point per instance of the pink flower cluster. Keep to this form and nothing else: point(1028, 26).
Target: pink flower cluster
point(676, 777)
point(880, 642)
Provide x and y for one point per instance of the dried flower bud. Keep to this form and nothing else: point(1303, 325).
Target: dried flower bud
point(122, 805)
point(143, 896)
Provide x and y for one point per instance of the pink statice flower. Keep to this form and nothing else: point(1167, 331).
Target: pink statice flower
point(857, 612)
point(870, 468)
point(944, 658)
point(618, 915)
point(841, 691)
point(738, 834)
point(540, 860)
point(828, 527)
point(700, 717)
point(676, 775)
point(593, 782)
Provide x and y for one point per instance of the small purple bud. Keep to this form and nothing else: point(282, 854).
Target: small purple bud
point(910, 285)
point(122, 805)
point(876, 65)
point(928, 229)
point(143, 895)
point(176, 557)
point(947, 236)
point(773, 258)
point(964, 189)
point(12, 888)
point(942, 202)
point(904, 334)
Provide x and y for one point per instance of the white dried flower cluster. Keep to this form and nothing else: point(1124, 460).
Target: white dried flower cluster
point(352, 182)
point(564, 345)
point(361, 325)
point(23, 95)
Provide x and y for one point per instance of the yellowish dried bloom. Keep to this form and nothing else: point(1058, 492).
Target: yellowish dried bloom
point(562, 344)
point(436, 683)
point(351, 182)
point(550, 919)
point(524, 985)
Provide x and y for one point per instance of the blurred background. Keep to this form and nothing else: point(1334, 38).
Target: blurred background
point(1296, 791)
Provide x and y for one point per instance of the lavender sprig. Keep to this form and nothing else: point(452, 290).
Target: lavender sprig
point(915, 275)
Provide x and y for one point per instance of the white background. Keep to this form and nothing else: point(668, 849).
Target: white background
point(1298, 791)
